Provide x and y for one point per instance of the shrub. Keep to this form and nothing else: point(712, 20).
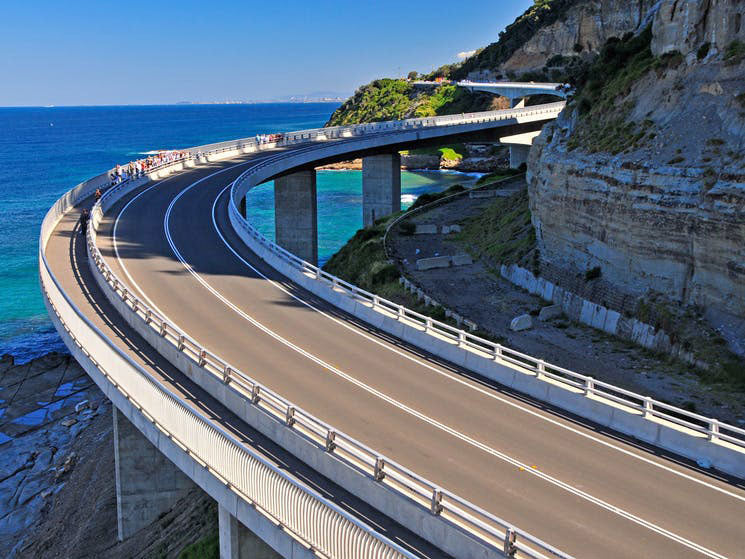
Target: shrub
point(703, 50)
point(671, 59)
point(383, 274)
point(734, 53)
point(593, 273)
point(406, 228)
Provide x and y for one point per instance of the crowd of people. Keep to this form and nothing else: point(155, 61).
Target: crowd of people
point(268, 138)
point(137, 168)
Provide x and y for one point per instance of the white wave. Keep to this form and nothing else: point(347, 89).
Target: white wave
point(408, 198)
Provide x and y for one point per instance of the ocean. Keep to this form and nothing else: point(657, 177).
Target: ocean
point(46, 151)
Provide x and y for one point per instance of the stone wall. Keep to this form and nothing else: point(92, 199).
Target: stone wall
point(598, 316)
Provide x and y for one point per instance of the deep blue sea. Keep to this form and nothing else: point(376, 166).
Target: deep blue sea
point(46, 151)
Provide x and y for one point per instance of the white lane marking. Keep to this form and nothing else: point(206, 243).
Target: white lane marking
point(458, 379)
point(121, 263)
point(419, 415)
point(406, 355)
point(116, 244)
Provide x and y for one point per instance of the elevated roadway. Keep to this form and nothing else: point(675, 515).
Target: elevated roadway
point(585, 490)
point(67, 258)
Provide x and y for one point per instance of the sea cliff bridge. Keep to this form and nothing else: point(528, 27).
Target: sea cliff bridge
point(329, 422)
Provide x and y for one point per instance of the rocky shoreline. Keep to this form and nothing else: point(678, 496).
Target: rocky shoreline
point(57, 484)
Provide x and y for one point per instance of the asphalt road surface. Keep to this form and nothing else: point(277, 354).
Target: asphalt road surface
point(588, 491)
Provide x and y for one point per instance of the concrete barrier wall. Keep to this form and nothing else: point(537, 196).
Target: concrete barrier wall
point(595, 315)
point(436, 529)
point(272, 534)
point(659, 432)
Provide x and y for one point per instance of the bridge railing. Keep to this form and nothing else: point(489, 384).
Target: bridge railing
point(440, 502)
point(650, 408)
point(308, 516)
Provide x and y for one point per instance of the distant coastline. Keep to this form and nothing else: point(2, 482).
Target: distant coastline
point(329, 101)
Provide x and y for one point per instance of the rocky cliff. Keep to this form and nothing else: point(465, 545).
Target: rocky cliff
point(583, 27)
point(645, 178)
point(551, 29)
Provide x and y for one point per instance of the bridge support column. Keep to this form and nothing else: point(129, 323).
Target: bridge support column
point(147, 483)
point(381, 186)
point(518, 155)
point(295, 213)
point(238, 542)
point(517, 102)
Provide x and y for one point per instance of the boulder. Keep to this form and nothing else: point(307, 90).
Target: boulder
point(435, 262)
point(522, 322)
point(425, 229)
point(462, 260)
point(549, 312)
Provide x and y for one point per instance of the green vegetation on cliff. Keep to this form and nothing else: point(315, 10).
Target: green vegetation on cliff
point(362, 262)
point(389, 99)
point(502, 233)
point(603, 90)
point(541, 14)
point(206, 548)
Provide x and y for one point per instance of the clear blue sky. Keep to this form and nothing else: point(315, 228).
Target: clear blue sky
point(92, 52)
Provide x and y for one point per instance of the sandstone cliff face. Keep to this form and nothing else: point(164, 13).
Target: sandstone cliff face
point(588, 24)
point(685, 25)
point(668, 216)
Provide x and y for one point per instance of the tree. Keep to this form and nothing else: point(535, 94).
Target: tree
point(413, 75)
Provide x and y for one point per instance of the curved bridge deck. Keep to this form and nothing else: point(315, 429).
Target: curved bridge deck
point(67, 257)
point(586, 491)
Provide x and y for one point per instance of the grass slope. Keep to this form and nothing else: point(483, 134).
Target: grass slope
point(389, 99)
point(502, 233)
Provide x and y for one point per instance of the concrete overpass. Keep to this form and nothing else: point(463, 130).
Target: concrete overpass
point(517, 93)
point(405, 438)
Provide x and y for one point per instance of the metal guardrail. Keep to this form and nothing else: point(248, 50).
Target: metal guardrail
point(317, 522)
point(649, 407)
point(439, 501)
point(486, 526)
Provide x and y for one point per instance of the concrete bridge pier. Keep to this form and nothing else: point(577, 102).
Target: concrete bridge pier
point(517, 102)
point(295, 213)
point(238, 542)
point(147, 483)
point(381, 186)
point(518, 155)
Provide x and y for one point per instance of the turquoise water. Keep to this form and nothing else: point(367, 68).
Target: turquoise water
point(46, 151)
point(340, 203)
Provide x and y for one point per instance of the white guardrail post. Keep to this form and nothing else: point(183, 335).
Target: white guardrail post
point(464, 513)
point(543, 371)
point(310, 518)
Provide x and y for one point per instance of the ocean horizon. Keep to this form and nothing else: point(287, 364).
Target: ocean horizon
point(46, 151)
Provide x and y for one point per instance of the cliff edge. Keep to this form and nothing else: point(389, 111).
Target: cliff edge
point(643, 175)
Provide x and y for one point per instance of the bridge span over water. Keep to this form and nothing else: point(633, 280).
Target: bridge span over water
point(329, 422)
